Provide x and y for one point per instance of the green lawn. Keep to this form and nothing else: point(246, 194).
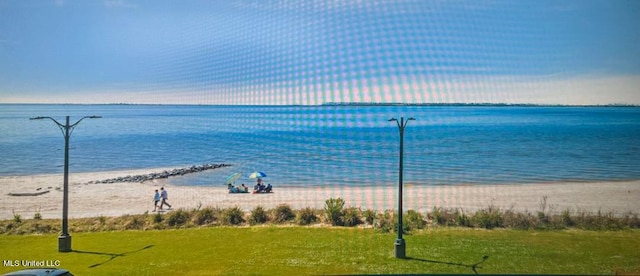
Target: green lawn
point(322, 250)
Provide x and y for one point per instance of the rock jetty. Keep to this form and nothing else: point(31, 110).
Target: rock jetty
point(160, 175)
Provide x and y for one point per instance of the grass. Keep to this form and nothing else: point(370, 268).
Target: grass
point(213, 241)
point(296, 250)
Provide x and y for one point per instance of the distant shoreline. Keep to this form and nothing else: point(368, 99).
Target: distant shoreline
point(353, 104)
point(475, 104)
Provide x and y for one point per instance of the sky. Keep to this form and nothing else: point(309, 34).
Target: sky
point(575, 52)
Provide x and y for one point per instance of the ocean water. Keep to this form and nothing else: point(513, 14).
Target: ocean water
point(332, 145)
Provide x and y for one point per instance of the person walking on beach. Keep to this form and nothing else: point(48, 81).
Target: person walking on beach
point(156, 200)
point(164, 197)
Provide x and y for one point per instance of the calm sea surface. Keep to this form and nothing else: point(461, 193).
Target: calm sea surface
point(332, 145)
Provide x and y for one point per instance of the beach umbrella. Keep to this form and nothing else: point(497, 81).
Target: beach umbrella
point(257, 175)
point(232, 177)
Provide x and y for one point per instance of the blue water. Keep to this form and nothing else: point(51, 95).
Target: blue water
point(332, 145)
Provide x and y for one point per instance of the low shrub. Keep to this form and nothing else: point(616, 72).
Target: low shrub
point(17, 218)
point(307, 216)
point(336, 214)
point(233, 216)
point(134, 222)
point(437, 216)
point(204, 216)
point(414, 220)
point(283, 213)
point(384, 222)
point(177, 218)
point(519, 221)
point(631, 220)
point(156, 218)
point(334, 211)
point(351, 217)
point(258, 216)
point(488, 218)
point(544, 220)
point(566, 219)
point(599, 221)
point(462, 219)
point(369, 216)
point(405, 224)
point(42, 228)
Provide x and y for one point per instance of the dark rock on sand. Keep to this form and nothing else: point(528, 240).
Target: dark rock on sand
point(161, 175)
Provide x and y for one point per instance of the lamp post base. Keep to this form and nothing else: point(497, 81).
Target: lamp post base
point(64, 243)
point(400, 249)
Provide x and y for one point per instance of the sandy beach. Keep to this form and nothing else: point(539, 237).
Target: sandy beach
point(88, 200)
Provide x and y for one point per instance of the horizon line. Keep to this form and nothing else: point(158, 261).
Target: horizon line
point(349, 104)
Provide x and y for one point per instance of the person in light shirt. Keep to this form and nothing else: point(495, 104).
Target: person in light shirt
point(164, 197)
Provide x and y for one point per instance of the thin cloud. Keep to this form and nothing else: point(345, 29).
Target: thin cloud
point(60, 3)
point(119, 4)
point(8, 44)
point(315, 5)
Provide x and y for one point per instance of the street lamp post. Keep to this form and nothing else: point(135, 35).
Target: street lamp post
point(64, 240)
point(400, 244)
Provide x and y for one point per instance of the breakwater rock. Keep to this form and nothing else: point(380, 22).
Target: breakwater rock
point(160, 175)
